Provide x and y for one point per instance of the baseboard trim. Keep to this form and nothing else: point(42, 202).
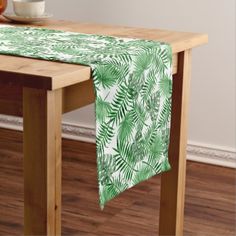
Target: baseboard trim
point(195, 152)
point(211, 155)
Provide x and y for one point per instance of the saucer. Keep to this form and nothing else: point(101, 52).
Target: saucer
point(23, 19)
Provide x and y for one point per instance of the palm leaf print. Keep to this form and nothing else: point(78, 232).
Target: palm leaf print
point(105, 76)
point(133, 86)
point(149, 85)
point(115, 186)
point(151, 134)
point(106, 166)
point(142, 63)
point(126, 128)
point(125, 160)
point(139, 148)
point(118, 68)
point(123, 58)
point(153, 168)
point(164, 116)
point(164, 55)
point(143, 174)
point(102, 109)
point(161, 59)
point(156, 148)
point(121, 104)
point(153, 105)
point(138, 114)
point(165, 86)
point(104, 136)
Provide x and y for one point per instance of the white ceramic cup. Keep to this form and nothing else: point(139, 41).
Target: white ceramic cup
point(29, 8)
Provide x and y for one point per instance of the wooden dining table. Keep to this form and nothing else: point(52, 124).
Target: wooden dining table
point(41, 91)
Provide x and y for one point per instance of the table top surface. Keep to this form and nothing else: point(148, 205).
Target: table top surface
point(53, 75)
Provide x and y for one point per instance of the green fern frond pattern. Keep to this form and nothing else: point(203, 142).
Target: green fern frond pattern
point(133, 87)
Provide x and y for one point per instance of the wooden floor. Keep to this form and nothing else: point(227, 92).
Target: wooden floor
point(210, 198)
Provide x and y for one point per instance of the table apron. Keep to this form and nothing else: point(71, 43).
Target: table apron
point(73, 97)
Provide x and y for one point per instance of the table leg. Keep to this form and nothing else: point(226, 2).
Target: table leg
point(173, 182)
point(42, 111)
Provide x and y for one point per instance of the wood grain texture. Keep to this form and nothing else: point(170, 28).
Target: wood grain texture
point(42, 161)
point(10, 99)
point(74, 96)
point(41, 74)
point(78, 95)
point(210, 197)
point(173, 182)
point(53, 75)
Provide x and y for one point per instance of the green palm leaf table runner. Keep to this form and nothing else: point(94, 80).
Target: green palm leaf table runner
point(133, 87)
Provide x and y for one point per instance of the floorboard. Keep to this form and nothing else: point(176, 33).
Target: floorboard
point(210, 196)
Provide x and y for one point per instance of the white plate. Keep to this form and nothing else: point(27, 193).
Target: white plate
point(22, 19)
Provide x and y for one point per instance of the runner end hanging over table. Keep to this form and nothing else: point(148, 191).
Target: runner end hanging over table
point(133, 86)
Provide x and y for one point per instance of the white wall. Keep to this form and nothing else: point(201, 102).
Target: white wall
point(212, 103)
